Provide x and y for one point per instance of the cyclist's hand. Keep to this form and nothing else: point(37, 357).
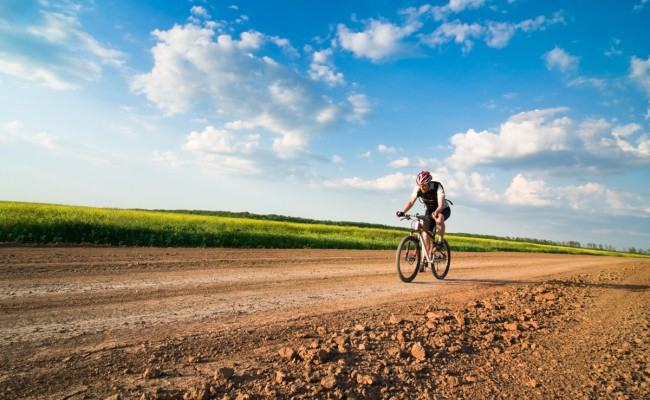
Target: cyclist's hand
point(400, 213)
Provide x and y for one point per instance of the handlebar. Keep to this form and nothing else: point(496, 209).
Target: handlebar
point(409, 216)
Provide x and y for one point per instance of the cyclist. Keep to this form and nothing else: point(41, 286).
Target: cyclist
point(437, 207)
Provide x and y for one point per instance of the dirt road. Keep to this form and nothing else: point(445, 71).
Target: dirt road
point(144, 323)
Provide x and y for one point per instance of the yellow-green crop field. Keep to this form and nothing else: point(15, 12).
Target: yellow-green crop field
point(35, 223)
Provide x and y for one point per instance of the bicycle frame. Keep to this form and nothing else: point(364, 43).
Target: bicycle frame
point(422, 236)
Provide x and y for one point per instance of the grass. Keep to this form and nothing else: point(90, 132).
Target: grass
point(35, 223)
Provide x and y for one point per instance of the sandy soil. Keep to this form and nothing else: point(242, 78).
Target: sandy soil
point(150, 323)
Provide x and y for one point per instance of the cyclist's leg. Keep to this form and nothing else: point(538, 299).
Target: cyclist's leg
point(440, 223)
point(428, 226)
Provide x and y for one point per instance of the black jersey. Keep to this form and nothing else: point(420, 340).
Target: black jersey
point(430, 197)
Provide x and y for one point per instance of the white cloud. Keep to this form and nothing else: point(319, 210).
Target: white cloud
point(529, 192)
point(386, 183)
point(455, 6)
point(322, 69)
point(212, 140)
point(460, 33)
point(360, 107)
point(541, 139)
point(560, 60)
point(222, 151)
point(403, 162)
point(593, 82)
point(591, 197)
point(199, 11)
point(522, 135)
point(195, 66)
point(461, 5)
point(66, 53)
point(640, 74)
point(622, 135)
point(540, 23)
point(495, 34)
point(471, 186)
point(285, 45)
point(498, 34)
point(380, 40)
point(615, 146)
point(366, 155)
point(385, 149)
point(597, 198)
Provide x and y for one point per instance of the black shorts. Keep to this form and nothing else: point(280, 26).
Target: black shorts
point(428, 221)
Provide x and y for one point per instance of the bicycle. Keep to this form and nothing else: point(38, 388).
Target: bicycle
point(409, 258)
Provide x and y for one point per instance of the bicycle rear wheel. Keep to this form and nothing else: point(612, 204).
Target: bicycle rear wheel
point(441, 260)
point(407, 258)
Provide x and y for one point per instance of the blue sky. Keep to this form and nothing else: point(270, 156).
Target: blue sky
point(533, 114)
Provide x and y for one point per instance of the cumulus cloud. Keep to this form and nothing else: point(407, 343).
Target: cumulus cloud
point(455, 6)
point(590, 197)
point(199, 11)
point(532, 192)
point(385, 149)
point(194, 65)
point(67, 54)
point(212, 140)
point(558, 59)
point(542, 139)
point(224, 151)
point(522, 135)
point(322, 68)
point(380, 39)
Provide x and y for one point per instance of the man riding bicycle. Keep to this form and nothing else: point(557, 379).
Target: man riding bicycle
point(437, 207)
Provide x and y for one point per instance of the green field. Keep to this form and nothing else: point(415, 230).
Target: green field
point(35, 223)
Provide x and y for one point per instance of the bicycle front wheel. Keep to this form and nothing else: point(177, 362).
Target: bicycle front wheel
point(441, 260)
point(407, 258)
